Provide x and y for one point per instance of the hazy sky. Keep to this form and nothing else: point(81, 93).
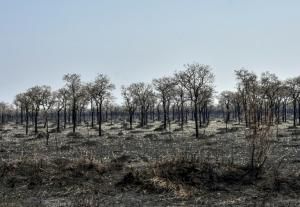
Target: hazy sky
point(138, 40)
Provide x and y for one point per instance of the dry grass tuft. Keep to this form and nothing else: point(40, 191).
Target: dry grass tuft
point(184, 177)
point(75, 135)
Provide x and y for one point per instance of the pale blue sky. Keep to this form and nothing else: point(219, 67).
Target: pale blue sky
point(138, 40)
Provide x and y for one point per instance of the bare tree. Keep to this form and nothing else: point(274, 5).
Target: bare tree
point(25, 101)
point(165, 88)
point(89, 89)
point(247, 87)
point(258, 136)
point(82, 103)
point(73, 85)
point(145, 97)
point(226, 100)
point(196, 79)
point(37, 94)
point(60, 102)
point(181, 97)
point(294, 89)
point(102, 88)
point(63, 99)
point(3, 108)
point(47, 103)
point(270, 86)
point(130, 101)
point(285, 94)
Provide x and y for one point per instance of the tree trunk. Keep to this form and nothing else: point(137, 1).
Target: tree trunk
point(298, 112)
point(111, 117)
point(173, 112)
point(130, 119)
point(165, 114)
point(295, 110)
point(36, 121)
point(22, 115)
point(58, 121)
point(100, 119)
point(27, 120)
point(74, 117)
point(196, 117)
point(65, 116)
point(92, 117)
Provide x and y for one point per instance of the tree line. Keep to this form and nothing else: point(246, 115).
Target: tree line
point(186, 95)
point(261, 100)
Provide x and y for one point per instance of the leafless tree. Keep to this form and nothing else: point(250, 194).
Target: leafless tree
point(285, 94)
point(226, 101)
point(165, 87)
point(83, 103)
point(247, 88)
point(73, 85)
point(37, 95)
point(3, 108)
point(294, 89)
point(196, 79)
point(47, 103)
point(102, 88)
point(145, 97)
point(258, 136)
point(181, 97)
point(25, 101)
point(270, 86)
point(89, 89)
point(60, 102)
point(130, 101)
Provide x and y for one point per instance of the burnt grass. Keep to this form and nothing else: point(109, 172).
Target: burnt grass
point(146, 166)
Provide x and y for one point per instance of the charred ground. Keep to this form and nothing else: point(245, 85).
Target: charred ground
point(146, 166)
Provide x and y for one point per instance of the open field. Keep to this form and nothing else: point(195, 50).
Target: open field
point(146, 167)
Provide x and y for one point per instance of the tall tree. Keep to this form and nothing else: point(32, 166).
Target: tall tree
point(165, 87)
point(102, 88)
point(73, 84)
point(145, 97)
point(181, 97)
point(60, 100)
point(196, 79)
point(226, 100)
point(270, 86)
point(37, 94)
point(130, 101)
point(294, 89)
point(247, 88)
point(25, 100)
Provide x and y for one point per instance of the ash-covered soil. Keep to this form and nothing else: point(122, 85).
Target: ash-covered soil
point(146, 167)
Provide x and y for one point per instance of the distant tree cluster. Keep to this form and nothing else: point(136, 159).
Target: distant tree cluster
point(261, 100)
point(73, 99)
point(190, 87)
